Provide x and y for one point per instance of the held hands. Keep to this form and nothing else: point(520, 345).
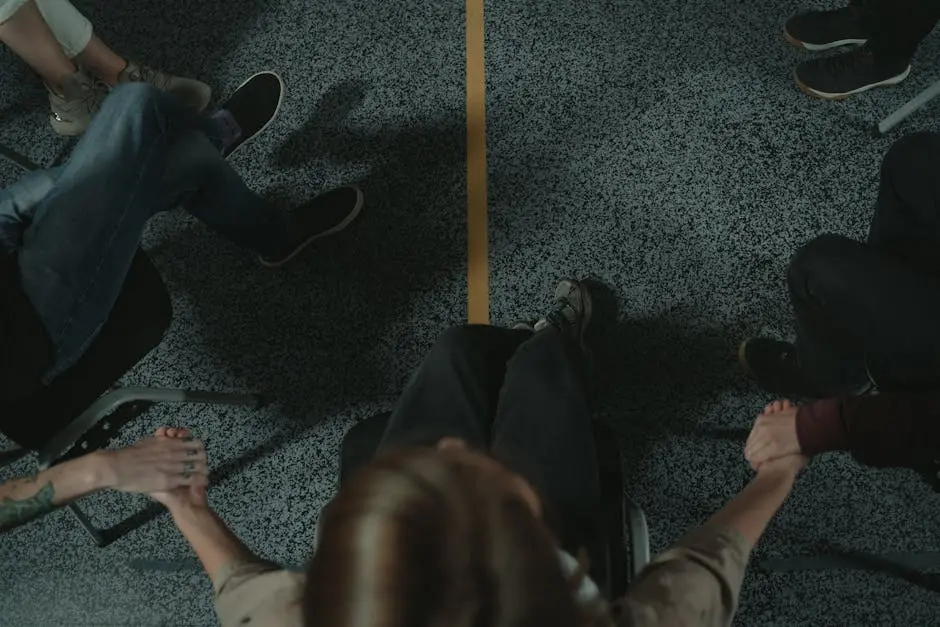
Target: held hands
point(191, 491)
point(772, 444)
point(157, 463)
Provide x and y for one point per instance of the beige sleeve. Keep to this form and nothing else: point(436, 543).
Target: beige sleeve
point(258, 594)
point(696, 582)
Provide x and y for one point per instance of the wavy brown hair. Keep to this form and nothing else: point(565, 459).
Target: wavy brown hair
point(420, 538)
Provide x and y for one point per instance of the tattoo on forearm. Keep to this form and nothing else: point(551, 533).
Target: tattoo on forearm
point(15, 512)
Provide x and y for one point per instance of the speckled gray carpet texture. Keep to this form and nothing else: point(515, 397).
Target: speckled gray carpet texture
point(658, 146)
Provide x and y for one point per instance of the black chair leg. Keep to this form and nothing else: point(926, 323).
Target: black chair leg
point(17, 159)
point(85, 522)
point(8, 457)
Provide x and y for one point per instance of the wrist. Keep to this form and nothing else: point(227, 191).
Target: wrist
point(777, 476)
point(187, 511)
point(100, 472)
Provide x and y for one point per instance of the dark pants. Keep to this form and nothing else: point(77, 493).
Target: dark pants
point(519, 396)
point(875, 307)
point(75, 229)
point(897, 27)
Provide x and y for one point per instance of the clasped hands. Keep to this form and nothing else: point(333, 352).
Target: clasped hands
point(169, 466)
point(773, 438)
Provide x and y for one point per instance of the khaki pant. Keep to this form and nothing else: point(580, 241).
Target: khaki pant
point(71, 28)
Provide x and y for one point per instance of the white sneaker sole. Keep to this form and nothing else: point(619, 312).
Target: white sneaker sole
point(894, 80)
point(821, 47)
point(273, 117)
point(357, 209)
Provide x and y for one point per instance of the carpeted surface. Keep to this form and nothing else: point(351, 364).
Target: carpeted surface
point(660, 147)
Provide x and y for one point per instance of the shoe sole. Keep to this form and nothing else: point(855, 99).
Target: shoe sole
point(821, 47)
point(65, 129)
point(357, 209)
point(894, 80)
point(277, 109)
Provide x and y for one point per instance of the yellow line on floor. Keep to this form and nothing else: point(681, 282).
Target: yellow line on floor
point(478, 274)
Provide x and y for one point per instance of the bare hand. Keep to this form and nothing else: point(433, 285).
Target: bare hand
point(773, 435)
point(192, 493)
point(156, 463)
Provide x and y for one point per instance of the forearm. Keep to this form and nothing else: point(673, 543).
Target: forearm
point(212, 541)
point(22, 500)
point(751, 510)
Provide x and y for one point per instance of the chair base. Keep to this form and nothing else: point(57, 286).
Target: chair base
point(907, 566)
point(68, 437)
point(912, 105)
point(17, 159)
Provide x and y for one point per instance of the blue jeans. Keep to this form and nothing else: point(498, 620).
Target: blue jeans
point(75, 228)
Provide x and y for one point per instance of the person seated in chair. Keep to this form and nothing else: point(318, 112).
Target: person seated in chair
point(76, 67)
point(883, 34)
point(866, 318)
point(68, 234)
point(169, 459)
point(483, 491)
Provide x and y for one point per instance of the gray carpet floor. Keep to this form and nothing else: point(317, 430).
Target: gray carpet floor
point(661, 147)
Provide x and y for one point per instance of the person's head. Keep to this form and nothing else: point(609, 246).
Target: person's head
point(438, 537)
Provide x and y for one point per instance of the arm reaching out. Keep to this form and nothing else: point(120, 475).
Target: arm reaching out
point(152, 463)
point(248, 589)
point(22, 500)
point(214, 545)
point(698, 579)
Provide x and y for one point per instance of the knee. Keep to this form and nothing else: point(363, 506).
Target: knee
point(818, 259)
point(130, 99)
point(457, 340)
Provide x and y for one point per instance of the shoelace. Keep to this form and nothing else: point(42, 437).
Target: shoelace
point(558, 317)
point(88, 101)
point(147, 74)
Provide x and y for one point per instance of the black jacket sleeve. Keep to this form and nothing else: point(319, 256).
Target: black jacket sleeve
point(885, 430)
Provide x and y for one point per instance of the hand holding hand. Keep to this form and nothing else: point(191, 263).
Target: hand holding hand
point(789, 466)
point(156, 463)
point(192, 493)
point(773, 435)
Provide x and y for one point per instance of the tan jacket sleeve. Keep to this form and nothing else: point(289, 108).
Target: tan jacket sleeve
point(259, 594)
point(696, 582)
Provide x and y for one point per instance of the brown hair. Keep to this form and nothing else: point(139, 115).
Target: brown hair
point(421, 539)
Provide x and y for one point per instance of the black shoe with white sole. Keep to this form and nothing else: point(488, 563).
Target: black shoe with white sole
point(852, 72)
point(322, 216)
point(776, 368)
point(823, 30)
point(249, 110)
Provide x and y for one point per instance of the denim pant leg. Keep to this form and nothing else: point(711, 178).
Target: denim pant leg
point(18, 204)
point(75, 255)
point(205, 185)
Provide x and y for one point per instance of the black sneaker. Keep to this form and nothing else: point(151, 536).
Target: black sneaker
point(325, 215)
point(249, 110)
point(822, 30)
point(853, 72)
point(572, 311)
point(775, 366)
